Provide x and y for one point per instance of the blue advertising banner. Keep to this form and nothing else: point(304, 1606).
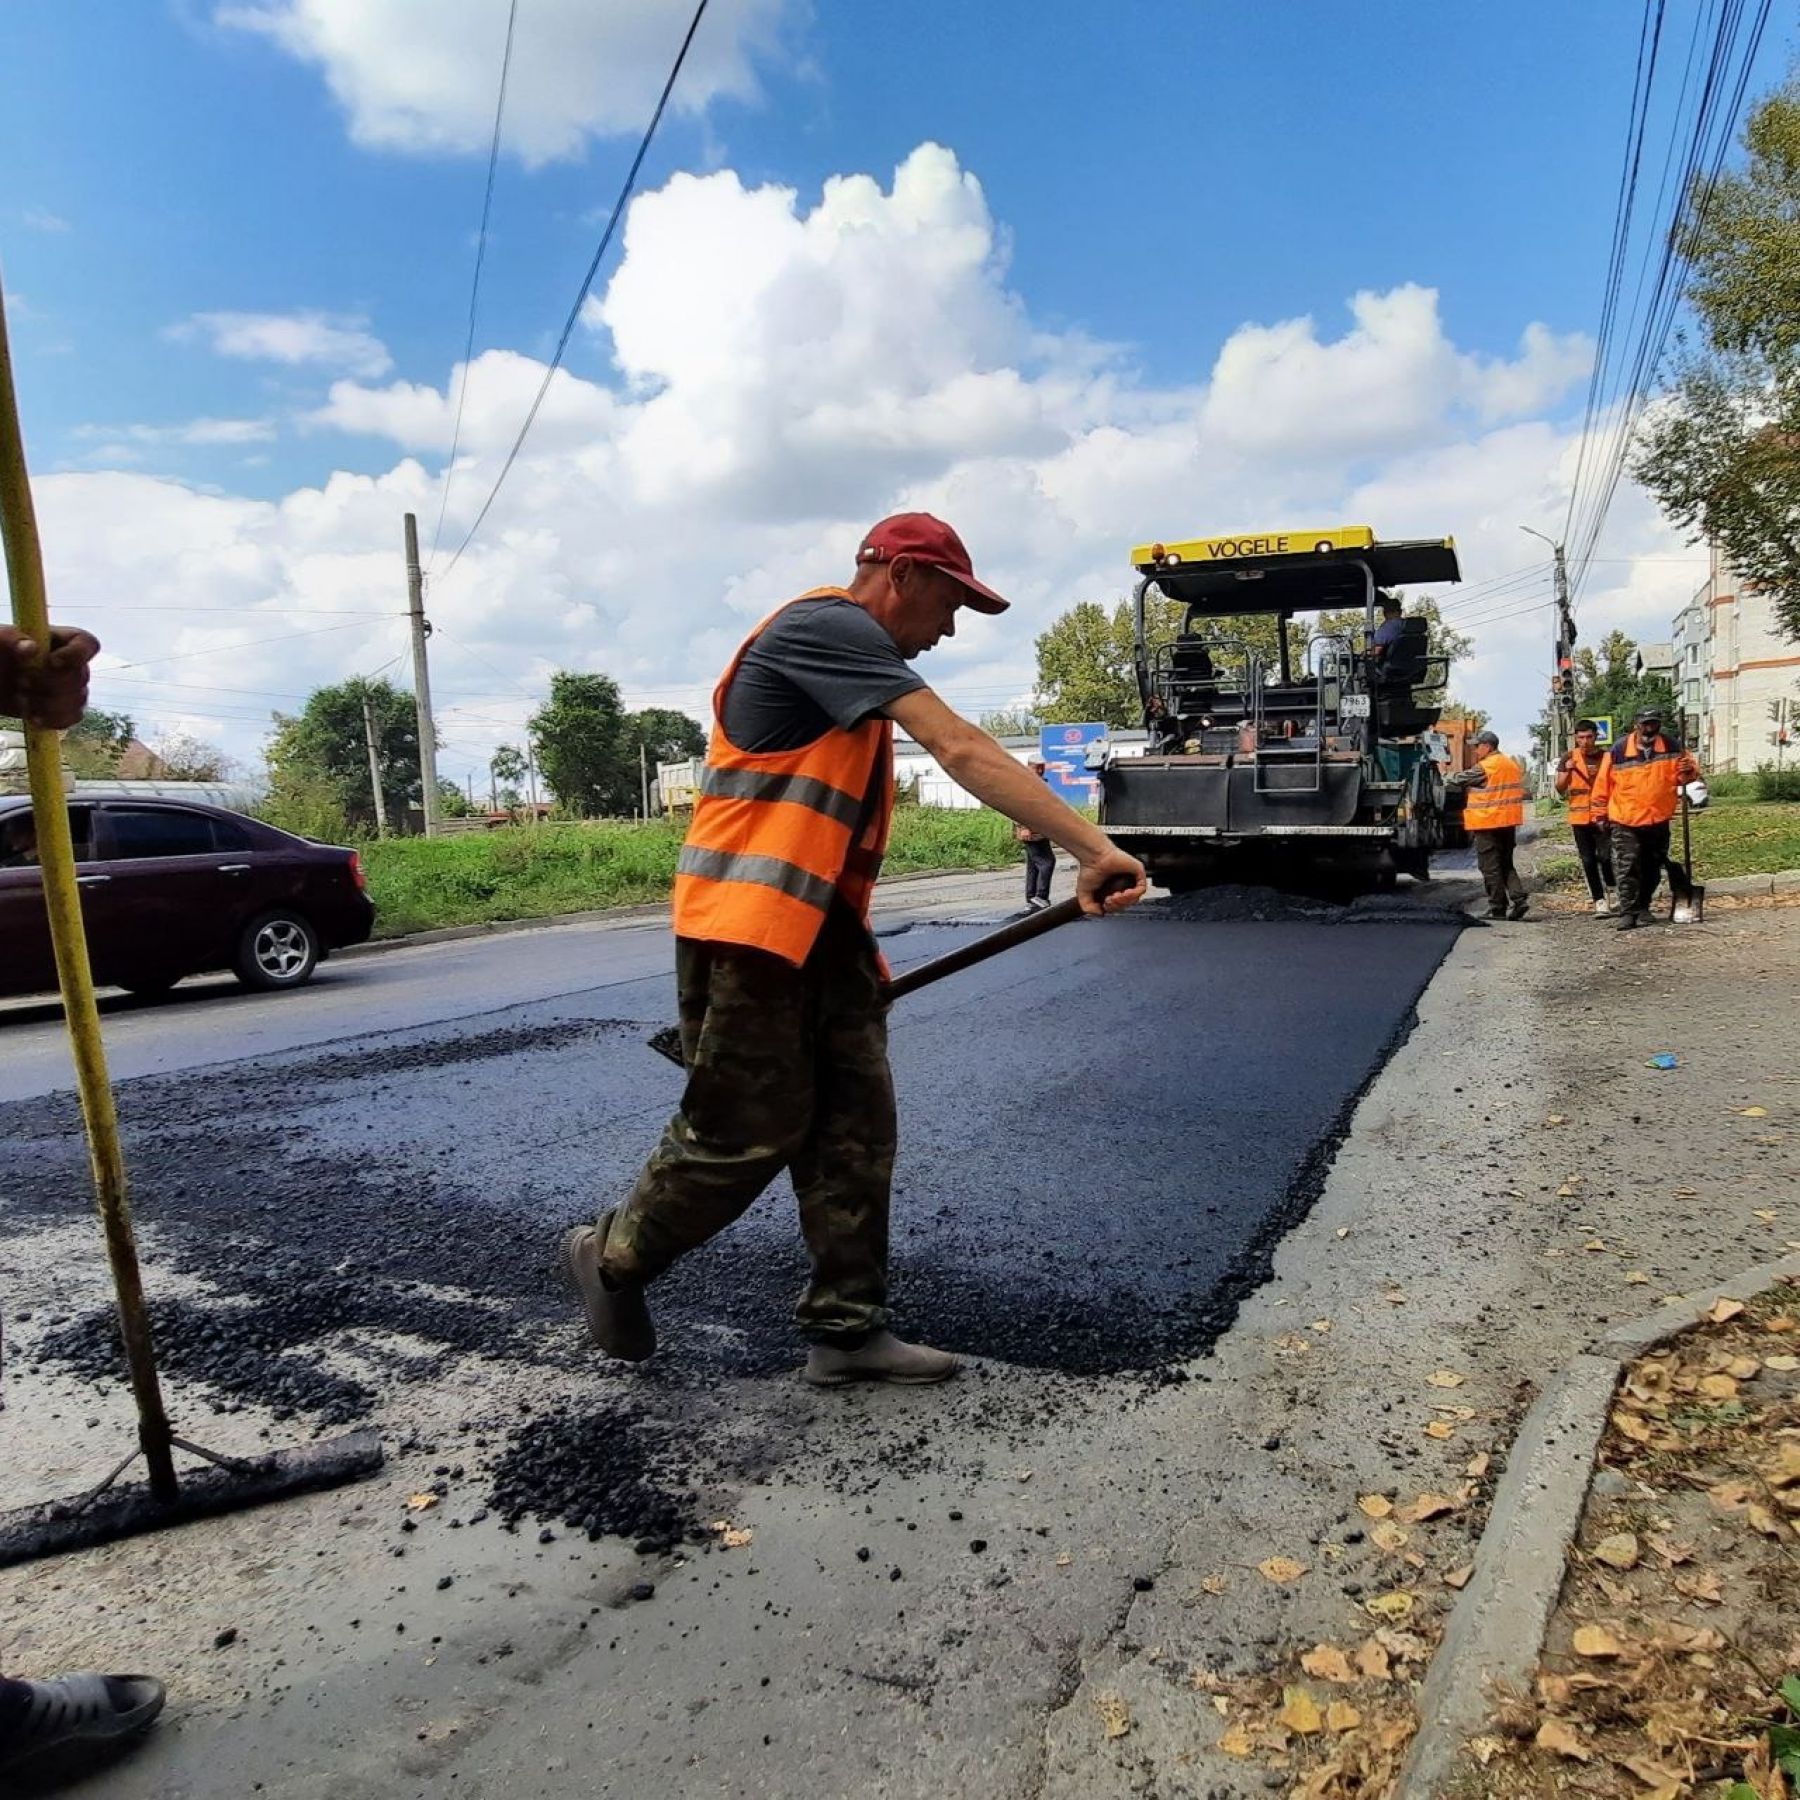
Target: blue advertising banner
point(1064, 749)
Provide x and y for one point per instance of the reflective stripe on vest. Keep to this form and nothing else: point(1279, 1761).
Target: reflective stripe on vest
point(774, 838)
point(1502, 801)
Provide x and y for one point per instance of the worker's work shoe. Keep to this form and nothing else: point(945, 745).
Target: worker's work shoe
point(1628, 922)
point(618, 1320)
point(883, 1358)
point(1602, 907)
point(1518, 909)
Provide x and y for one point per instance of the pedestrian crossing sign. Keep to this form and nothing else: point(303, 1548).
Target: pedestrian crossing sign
point(1603, 732)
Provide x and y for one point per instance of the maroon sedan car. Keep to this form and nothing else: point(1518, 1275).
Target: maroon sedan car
point(170, 888)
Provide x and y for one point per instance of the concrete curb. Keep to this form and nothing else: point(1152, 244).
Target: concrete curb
point(601, 915)
point(1497, 1629)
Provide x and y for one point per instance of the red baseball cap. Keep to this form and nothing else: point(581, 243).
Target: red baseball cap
point(932, 542)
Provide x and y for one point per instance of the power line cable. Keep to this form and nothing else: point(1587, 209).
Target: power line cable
point(487, 204)
point(587, 282)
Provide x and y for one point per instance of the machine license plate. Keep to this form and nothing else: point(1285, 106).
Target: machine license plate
point(1355, 706)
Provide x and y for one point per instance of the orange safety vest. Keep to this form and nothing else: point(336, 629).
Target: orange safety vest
point(1502, 801)
point(1582, 777)
point(775, 836)
point(1640, 784)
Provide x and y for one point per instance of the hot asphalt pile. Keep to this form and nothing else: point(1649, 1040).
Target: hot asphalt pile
point(1103, 1137)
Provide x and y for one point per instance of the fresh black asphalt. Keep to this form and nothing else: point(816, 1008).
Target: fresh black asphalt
point(1103, 1136)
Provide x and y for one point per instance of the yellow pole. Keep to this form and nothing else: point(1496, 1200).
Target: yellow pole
point(62, 900)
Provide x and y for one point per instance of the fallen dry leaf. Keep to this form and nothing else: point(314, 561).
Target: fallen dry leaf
point(1671, 1552)
point(1762, 1520)
point(1327, 1663)
point(1115, 1715)
point(1428, 1506)
point(1619, 1550)
point(1372, 1661)
point(1441, 1429)
point(1281, 1569)
point(1393, 1607)
point(1445, 1378)
point(1594, 1244)
point(1567, 1191)
point(1688, 1640)
point(1375, 1506)
point(1321, 1326)
point(1723, 1311)
point(1340, 1715)
point(1636, 1278)
point(1300, 1712)
point(1702, 1586)
point(1653, 1774)
point(1388, 1536)
point(1484, 1749)
point(1561, 1738)
point(1743, 1368)
point(1478, 1466)
point(1718, 1387)
point(1459, 1578)
point(1765, 1213)
point(421, 1502)
point(1783, 1364)
point(1631, 1426)
point(1063, 1559)
point(1783, 1469)
point(1237, 1742)
point(1214, 1584)
point(1596, 1641)
point(1728, 1496)
point(1753, 1112)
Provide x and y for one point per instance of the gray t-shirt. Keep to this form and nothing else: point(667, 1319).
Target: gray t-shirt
point(822, 663)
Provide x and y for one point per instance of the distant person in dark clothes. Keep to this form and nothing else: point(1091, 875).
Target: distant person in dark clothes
point(36, 1716)
point(1040, 854)
point(1389, 632)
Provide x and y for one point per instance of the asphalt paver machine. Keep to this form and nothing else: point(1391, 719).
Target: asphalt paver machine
point(1294, 755)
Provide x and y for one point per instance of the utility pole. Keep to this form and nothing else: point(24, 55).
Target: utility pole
point(531, 776)
point(644, 775)
point(421, 630)
point(374, 765)
point(1562, 670)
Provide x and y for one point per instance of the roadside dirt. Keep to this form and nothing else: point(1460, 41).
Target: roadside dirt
point(1679, 1624)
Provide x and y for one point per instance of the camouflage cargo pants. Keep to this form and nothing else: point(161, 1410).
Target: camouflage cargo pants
point(787, 1069)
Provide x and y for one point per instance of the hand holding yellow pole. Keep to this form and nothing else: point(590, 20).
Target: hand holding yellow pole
point(62, 900)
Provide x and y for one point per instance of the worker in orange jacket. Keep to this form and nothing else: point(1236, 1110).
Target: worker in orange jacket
point(1492, 815)
point(1575, 778)
point(1636, 795)
point(780, 983)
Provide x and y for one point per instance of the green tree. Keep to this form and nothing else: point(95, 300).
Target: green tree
point(582, 745)
point(1722, 453)
point(1020, 721)
point(319, 757)
point(507, 768)
point(1608, 686)
point(183, 758)
point(665, 735)
point(93, 746)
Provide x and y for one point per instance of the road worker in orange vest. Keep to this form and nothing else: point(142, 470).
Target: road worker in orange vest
point(1492, 815)
point(1638, 792)
point(1575, 778)
point(782, 1015)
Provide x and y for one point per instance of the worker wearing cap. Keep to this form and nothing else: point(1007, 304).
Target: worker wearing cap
point(782, 1015)
point(1576, 775)
point(1492, 815)
point(1636, 794)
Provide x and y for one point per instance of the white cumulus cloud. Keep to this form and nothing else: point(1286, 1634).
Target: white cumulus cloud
point(425, 81)
point(298, 339)
point(718, 446)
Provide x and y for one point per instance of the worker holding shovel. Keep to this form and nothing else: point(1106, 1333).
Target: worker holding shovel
point(35, 1716)
point(781, 988)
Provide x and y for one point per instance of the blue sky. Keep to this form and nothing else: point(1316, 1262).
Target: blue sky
point(1155, 177)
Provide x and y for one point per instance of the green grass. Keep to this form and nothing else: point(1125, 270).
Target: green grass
point(1732, 837)
point(534, 872)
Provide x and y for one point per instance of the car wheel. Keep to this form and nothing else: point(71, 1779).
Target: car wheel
point(276, 950)
point(150, 987)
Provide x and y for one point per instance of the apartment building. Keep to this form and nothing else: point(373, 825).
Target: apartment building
point(1730, 662)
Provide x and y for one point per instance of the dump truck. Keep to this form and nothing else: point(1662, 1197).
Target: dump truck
point(1312, 757)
